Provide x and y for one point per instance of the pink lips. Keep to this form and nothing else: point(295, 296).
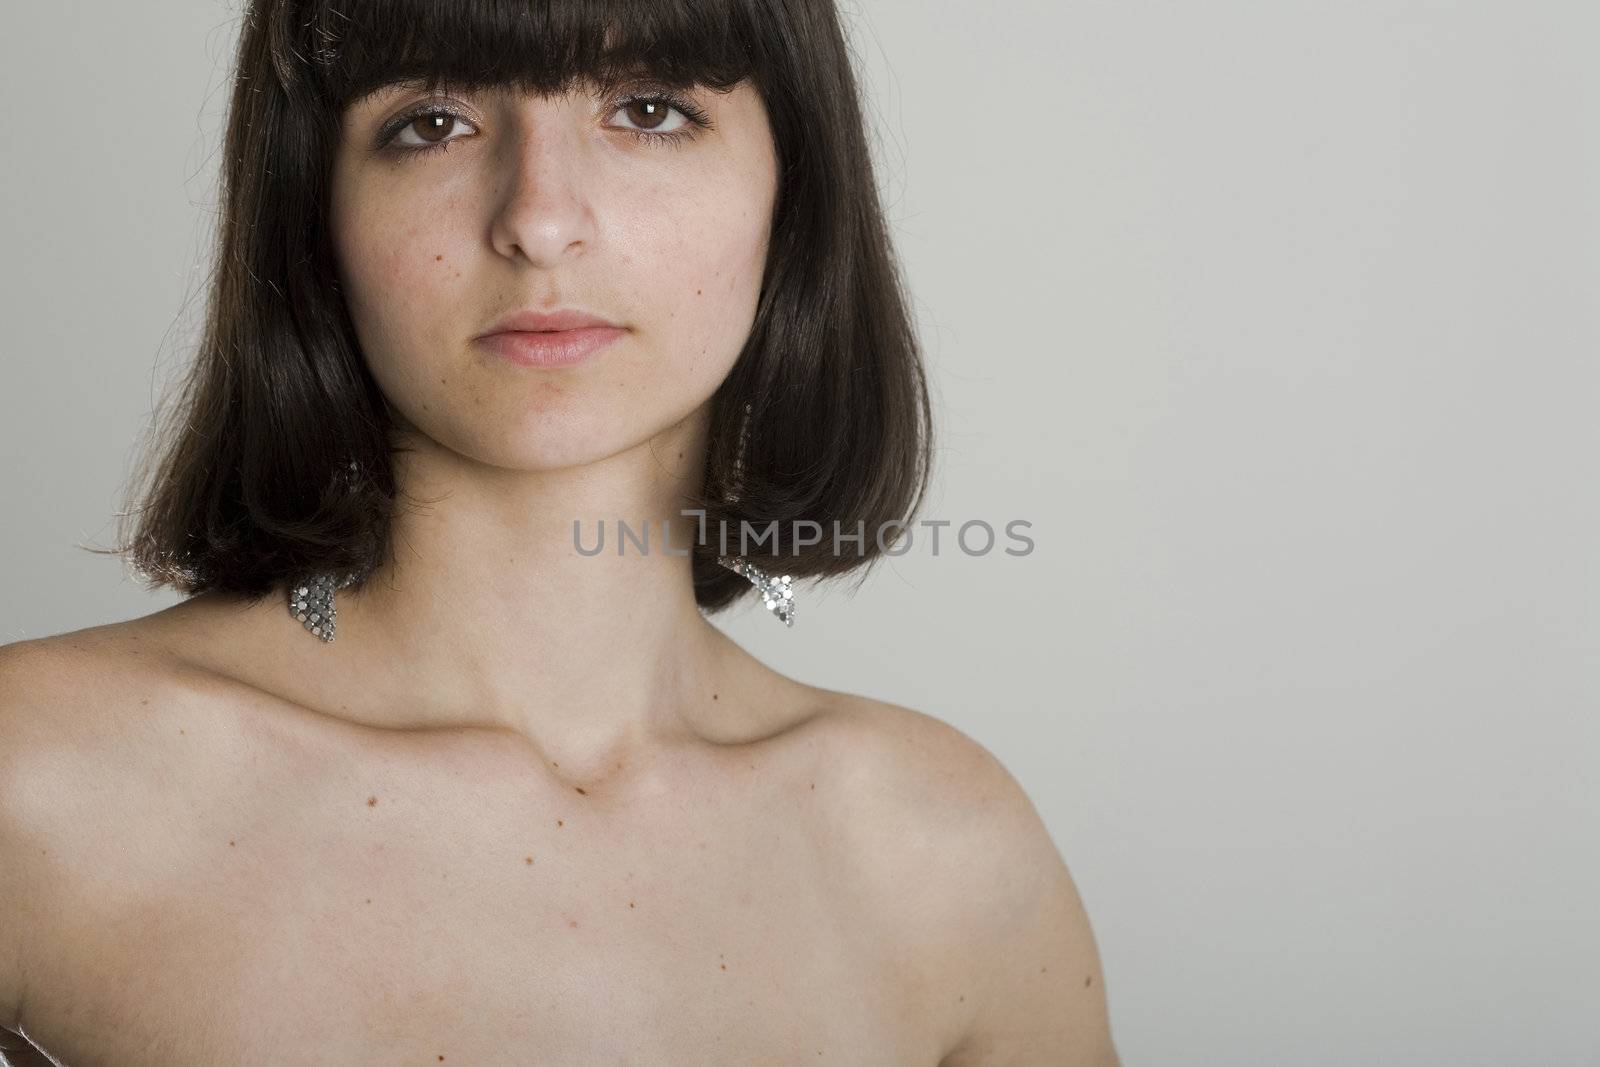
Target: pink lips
point(552, 348)
point(550, 339)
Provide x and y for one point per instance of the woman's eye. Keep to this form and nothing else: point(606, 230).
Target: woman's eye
point(652, 115)
point(431, 129)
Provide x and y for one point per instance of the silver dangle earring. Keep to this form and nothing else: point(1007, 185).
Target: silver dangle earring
point(776, 592)
point(311, 596)
point(311, 601)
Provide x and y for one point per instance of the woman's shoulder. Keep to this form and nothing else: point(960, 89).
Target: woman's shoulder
point(68, 689)
point(73, 758)
point(101, 727)
point(900, 755)
point(85, 719)
point(113, 743)
point(967, 877)
point(95, 692)
point(931, 812)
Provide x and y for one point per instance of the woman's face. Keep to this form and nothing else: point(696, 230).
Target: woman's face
point(495, 203)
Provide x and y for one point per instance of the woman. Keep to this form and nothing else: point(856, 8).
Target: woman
point(491, 277)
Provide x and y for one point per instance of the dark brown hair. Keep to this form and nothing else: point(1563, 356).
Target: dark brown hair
point(276, 462)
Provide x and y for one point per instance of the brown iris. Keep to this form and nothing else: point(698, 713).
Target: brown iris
point(433, 123)
point(656, 109)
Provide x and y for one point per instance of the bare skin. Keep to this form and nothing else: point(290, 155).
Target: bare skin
point(214, 874)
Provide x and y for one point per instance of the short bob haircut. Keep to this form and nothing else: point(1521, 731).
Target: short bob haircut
point(276, 462)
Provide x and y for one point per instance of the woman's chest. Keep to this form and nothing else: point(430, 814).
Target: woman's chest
point(456, 932)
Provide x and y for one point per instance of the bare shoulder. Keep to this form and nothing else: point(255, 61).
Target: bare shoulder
point(89, 719)
point(34, 677)
point(82, 762)
point(80, 704)
point(16, 872)
point(972, 882)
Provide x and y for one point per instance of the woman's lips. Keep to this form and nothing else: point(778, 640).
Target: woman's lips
point(551, 348)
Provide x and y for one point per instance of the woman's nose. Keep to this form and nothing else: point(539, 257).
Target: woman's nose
point(543, 211)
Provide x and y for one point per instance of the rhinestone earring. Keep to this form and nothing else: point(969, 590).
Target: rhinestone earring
point(311, 601)
point(311, 595)
point(776, 592)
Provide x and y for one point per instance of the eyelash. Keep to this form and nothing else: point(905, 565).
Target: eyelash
point(697, 120)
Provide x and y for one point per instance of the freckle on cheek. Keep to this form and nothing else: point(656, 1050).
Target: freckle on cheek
point(437, 258)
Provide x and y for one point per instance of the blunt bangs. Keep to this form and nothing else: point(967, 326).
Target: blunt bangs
point(348, 48)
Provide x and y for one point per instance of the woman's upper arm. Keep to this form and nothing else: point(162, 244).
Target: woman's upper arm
point(970, 883)
point(40, 680)
point(1043, 1000)
point(16, 868)
point(1034, 966)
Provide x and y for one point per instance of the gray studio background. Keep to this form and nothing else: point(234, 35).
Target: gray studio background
point(1279, 323)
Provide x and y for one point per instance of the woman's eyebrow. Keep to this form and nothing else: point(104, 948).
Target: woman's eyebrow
point(386, 89)
point(604, 84)
point(394, 88)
